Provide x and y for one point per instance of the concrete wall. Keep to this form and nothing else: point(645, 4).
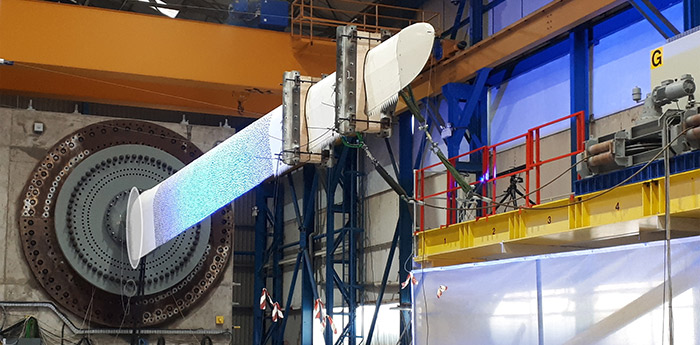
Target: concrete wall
point(20, 150)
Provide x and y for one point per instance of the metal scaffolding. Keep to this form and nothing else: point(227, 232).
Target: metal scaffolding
point(344, 228)
point(268, 217)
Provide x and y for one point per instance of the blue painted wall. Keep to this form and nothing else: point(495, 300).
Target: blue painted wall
point(530, 99)
point(621, 62)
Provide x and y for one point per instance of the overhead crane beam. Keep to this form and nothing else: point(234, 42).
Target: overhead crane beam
point(526, 34)
point(97, 55)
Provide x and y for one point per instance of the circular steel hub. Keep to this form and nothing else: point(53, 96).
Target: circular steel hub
point(73, 227)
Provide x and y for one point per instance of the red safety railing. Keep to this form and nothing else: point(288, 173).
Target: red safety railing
point(533, 164)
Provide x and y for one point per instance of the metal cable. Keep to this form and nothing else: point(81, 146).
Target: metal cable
point(89, 331)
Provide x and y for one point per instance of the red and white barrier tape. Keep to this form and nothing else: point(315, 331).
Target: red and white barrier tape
point(441, 290)
point(330, 321)
point(265, 298)
point(277, 312)
point(322, 316)
point(318, 310)
point(409, 279)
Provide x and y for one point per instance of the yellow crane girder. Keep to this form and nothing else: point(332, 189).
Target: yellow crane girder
point(97, 55)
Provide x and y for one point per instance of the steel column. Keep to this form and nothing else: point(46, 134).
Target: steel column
point(579, 62)
point(463, 22)
point(308, 285)
point(458, 18)
point(405, 222)
point(342, 250)
point(476, 14)
point(654, 16)
point(290, 295)
point(331, 184)
point(305, 223)
point(261, 197)
point(540, 314)
point(691, 14)
point(457, 94)
point(262, 255)
point(468, 122)
point(276, 252)
point(466, 118)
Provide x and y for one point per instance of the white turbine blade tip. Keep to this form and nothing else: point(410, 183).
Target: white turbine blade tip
point(413, 50)
point(394, 64)
point(134, 228)
point(140, 229)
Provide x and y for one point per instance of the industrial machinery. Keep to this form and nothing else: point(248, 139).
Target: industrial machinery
point(644, 140)
point(671, 102)
point(73, 228)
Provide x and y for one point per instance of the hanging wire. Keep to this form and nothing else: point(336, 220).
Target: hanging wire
point(360, 141)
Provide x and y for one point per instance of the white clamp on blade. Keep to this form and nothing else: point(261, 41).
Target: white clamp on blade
point(394, 64)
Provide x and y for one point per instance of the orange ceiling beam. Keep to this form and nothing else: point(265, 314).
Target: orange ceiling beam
point(97, 55)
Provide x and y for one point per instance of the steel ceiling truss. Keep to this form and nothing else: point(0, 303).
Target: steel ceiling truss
point(655, 18)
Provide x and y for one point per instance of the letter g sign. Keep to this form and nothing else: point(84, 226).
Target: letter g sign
point(657, 57)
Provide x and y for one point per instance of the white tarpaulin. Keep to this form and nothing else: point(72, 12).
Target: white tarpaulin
point(602, 296)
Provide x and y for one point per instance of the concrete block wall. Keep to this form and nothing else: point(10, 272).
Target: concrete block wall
point(20, 150)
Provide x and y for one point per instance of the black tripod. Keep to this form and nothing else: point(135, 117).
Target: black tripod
point(512, 193)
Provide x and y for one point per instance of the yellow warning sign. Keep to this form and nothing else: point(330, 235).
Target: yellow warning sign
point(657, 57)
